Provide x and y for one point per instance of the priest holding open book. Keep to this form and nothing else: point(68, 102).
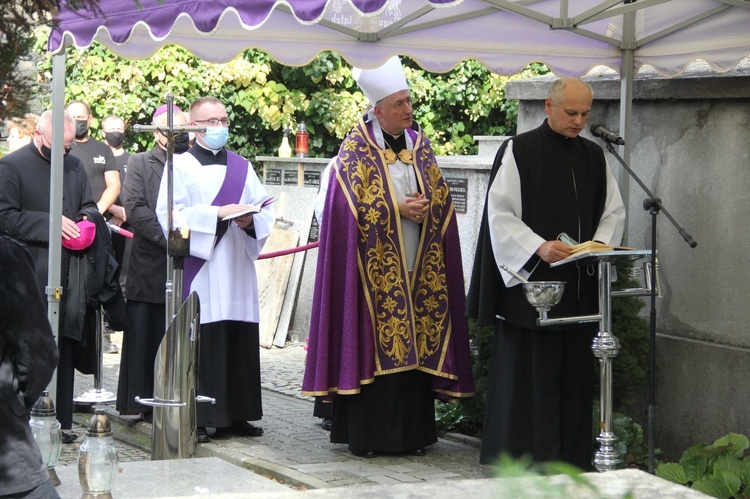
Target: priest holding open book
point(218, 197)
point(549, 190)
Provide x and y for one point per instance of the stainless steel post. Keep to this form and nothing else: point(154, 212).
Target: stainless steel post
point(98, 395)
point(606, 347)
point(175, 386)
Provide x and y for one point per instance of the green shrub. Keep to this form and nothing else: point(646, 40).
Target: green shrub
point(264, 97)
point(721, 469)
point(467, 415)
point(630, 367)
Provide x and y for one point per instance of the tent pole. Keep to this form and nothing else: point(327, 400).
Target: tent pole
point(627, 73)
point(53, 289)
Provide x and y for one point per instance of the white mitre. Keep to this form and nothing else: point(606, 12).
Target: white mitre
point(381, 82)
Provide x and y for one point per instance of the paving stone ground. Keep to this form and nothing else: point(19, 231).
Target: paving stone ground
point(294, 449)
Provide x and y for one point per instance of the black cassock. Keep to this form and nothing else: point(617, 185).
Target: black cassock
point(540, 385)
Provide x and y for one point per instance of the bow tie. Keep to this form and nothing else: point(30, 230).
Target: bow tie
point(404, 156)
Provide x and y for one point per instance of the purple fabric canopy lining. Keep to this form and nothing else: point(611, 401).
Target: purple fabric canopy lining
point(119, 16)
point(570, 37)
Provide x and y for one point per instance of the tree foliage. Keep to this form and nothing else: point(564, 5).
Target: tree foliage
point(264, 97)
point(18, 21)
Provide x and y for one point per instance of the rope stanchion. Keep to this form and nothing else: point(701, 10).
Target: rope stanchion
point(288, 251)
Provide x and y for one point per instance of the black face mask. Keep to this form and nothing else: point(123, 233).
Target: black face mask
point(114, 138)
point(47, 152)
point(82, 128)
point(181, 143)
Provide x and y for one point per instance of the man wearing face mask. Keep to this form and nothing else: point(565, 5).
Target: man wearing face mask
point(104, 177)
point(24, 215)
point(97, 158)
point(113, 129)
point(211, 184)
point(146, 267)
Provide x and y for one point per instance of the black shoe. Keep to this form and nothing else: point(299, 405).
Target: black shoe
point(201, 435)
point(246, 429)
point(69, 438)
point(327, 424)
point(147, 417)
point(417, 452)
point(367, 454)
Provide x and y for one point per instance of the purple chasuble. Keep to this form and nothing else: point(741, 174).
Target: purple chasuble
point(229, 192)
point(370, 316)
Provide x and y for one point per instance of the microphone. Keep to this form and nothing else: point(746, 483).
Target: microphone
point(606, 135)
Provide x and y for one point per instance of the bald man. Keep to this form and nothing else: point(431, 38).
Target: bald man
point(24, 215)
point(544, 182)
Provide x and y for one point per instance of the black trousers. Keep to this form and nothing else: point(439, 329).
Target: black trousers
point(322, 409)
point(395, 413)
point(539, 396)
point(140, 343)
point(65, 382)
point(229, 371)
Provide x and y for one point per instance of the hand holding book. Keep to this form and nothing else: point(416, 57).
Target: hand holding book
point(250, 209)
point(592, 246)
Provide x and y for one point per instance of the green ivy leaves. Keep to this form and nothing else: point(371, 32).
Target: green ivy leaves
point(264, 97)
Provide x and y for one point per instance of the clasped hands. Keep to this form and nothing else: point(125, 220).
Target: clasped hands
point(414, 208)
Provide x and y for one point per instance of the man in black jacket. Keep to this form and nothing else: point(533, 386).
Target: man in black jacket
point(28, 356)
point(147, 268)
point(24, 215)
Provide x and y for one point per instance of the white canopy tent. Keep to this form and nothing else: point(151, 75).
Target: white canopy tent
point(570, 36)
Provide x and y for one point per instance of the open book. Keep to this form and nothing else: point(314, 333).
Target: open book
point(591, 246)
point(251, 209)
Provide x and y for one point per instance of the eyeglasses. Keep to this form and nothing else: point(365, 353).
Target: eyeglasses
point(66, 149)
point(215, 121)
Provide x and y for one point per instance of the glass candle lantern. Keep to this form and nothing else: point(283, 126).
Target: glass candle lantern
point(46, 431)
point(302, 140)
point(97, 458)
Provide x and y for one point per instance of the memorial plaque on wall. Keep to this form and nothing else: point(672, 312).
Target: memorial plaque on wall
point(290, 177)
point(312, 179)
point(459, 188)
point(273, 176)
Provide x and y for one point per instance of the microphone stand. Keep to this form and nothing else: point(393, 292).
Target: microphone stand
point(653, 205)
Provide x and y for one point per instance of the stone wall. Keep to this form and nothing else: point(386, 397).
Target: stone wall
point(690, 146)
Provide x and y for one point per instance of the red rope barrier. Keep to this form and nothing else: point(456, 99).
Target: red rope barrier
point(275, 254)
point(120, 230)
point(288, 251)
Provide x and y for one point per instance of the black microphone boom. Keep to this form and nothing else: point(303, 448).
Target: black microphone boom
point(606, 135)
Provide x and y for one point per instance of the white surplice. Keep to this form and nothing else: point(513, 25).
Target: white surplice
point(227, 284)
